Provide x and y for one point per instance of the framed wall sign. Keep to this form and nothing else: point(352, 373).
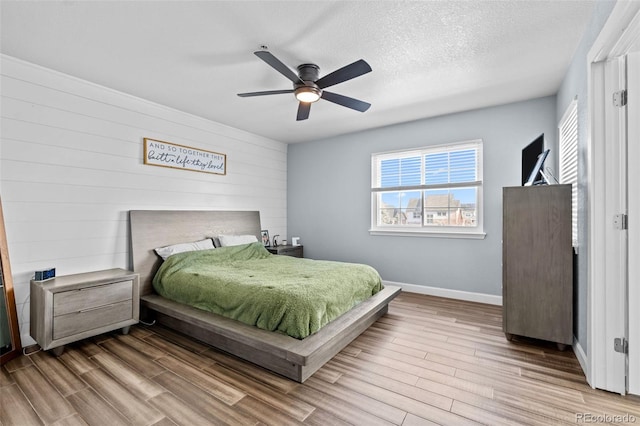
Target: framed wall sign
point(167, 154)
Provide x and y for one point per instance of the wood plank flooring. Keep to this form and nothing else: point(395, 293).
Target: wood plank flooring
point(428, 361)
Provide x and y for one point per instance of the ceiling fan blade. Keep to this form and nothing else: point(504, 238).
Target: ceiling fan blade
point(346, 101)
point(278, 66)
point(345, 73)
point(268, 92)
point(303, 111)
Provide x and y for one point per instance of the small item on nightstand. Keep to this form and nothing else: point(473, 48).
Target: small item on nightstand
point(45, 274)
point(295, 241)
point(284, 242)
point(275, 240)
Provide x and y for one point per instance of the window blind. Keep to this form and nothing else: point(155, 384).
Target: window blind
point(568, 144)
point(428, 188)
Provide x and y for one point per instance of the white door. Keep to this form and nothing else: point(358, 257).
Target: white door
point(609, 244)
point(616, 256)
point(614, 207)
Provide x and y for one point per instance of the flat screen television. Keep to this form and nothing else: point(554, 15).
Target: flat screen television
point(538, 170)
point(530, 156)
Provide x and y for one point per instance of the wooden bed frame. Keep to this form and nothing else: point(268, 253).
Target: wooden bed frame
point(292, 358)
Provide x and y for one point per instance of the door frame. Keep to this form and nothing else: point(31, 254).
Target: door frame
point(633, 153)
point(619, 36)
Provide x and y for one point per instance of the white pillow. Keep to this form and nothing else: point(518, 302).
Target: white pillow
point(236, 240)
point(167, 251)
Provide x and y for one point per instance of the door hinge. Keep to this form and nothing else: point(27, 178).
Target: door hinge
point(620, 221)
point(620, 98)
point(621, 345)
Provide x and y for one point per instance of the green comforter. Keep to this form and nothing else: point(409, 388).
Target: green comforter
point(277, 293)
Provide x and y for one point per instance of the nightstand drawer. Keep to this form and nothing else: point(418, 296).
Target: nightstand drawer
point(290, 251)
point(77, 322)
point(293, 251)
point(82, 299)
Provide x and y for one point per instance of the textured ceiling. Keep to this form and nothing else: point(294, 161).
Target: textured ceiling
point(428, 57)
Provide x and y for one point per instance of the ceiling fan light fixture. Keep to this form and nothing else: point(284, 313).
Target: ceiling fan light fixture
point(308, 88)
point(308, 94)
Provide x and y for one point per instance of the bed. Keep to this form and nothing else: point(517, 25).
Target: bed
point(294, 358)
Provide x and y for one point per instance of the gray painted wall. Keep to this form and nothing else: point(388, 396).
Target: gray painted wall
point(329, 197)
point(575, 84)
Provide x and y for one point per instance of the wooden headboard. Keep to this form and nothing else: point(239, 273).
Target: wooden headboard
point(159, 228)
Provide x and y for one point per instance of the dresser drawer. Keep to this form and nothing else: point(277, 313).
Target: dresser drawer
point(91, 318)
point(82, 299)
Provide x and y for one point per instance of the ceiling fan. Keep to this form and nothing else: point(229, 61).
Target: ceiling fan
point(308, 88)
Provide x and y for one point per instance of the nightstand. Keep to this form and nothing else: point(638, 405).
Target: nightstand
point(294, 251)
point(73, 307)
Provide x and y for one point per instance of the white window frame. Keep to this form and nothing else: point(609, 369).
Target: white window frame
point(568, 161)
point(475, 232)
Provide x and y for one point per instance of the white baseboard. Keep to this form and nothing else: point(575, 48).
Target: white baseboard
point(448, 293)
point(582, 358)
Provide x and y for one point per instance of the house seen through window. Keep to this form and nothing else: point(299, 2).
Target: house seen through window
point(431, 189)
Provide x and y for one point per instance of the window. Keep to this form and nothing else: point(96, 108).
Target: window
point(568, 143)
point(430, 191)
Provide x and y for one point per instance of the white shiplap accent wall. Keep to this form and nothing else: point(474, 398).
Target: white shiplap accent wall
point(71, 168)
